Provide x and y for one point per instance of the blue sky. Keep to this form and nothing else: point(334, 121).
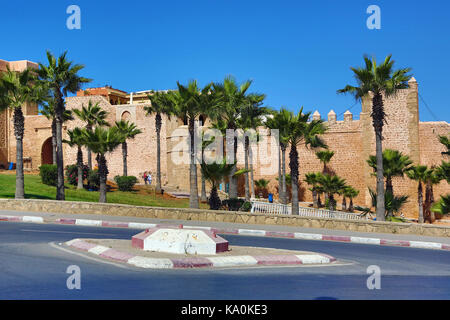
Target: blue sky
point(296, 52)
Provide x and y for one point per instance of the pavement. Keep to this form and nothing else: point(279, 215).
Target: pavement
point(249, 229)
point(34, 265)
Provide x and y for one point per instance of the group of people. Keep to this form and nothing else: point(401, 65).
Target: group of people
point(147, 176)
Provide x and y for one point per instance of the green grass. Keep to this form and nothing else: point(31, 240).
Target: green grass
point(35, 189)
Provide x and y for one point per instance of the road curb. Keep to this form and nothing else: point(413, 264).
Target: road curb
point(200, 262)
point(232, 231)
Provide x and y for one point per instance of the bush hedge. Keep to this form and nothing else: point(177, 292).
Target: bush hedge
point(72, 173)
point(93, 180)
point(125, 183)
point(233, 204)
point(49, 174)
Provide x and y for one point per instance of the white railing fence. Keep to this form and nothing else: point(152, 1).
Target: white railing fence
point(279, 209)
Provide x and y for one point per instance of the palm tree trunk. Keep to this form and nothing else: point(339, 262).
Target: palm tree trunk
point(247, 185)
point(350, 207)
point(252, 181)
point(158, 122)
point(293, 164)
point(314, 196)
point(203, 197)
point(432, 215)
point(214, 200)
point(331, 202)
point(233, 192)
point(344, 203)
point(89, 153)
point(193, 197)
point(378, 119)
point(54, 140)
point(124, 158)
point(280, 183)
point(284, 199)
point(60, 192)
point(390, 189)
point(103, 174)
point(19, 129)
point(420, 200)
point(80, 168)
point(428, 214)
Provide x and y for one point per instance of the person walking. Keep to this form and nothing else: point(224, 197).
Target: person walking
point(149, 178)
point(145, 177)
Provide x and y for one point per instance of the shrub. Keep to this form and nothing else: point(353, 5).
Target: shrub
point(72, 173)
point(233, 204)
point(246, 207)
point(93, 180)
point(49, 174)
point(125, 183)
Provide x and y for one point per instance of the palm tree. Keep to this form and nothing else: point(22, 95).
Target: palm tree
point(443, 171)
point(443, 205)
point(205, 143)
point(325, 158)
point(161, 104)
point(76, 138)
point(302, 131)
point(281, 121)
point(395, 164)
point(432, 178)
point(251, 117)
point(229, 99)
point(331, 185)
point(348, 192)
point(419, 173)
point(128, 130)
point(92, 115)
point(312, 179)
point(378, 80)
point(48, 111)
point(102, 141)
point(215, 173)
point(351, 193)
point(190, 103)
point(16, 89)
point(446, 142)
point(392, 203)
point(61, 77)
point(261, 185)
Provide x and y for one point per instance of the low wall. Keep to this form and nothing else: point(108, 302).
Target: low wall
point(71, 207)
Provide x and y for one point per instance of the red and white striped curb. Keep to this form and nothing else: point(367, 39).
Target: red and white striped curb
point(31, 219)
point(200, 262)
point(249, 232)
point(264, 233)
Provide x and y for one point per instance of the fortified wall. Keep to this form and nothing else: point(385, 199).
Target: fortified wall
point(352, 140)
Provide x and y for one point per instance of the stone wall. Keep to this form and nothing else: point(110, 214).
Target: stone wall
point(141, 149)
point(70, 207)
point(352, 140)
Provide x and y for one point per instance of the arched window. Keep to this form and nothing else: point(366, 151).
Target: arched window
point(126, 116)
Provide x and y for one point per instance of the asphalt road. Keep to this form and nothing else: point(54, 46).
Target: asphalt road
point(31, 268)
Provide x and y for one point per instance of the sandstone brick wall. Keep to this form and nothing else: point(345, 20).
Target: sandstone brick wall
point(430, 149)
point(352, 140)
point(141, 149)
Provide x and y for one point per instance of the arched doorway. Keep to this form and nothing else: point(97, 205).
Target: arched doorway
point(47, 152)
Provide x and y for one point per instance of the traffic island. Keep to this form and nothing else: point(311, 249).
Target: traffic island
point(171, 248)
